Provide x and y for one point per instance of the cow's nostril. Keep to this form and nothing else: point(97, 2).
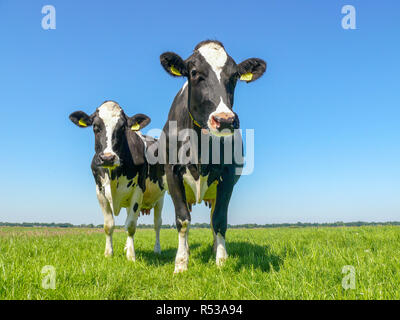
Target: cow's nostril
point(216, 121)
point(107, 157)
point(223, 121)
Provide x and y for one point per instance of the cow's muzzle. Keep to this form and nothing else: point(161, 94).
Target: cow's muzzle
point(108, 160)
point(224, 122)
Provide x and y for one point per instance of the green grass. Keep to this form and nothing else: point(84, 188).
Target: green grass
point(282, 263)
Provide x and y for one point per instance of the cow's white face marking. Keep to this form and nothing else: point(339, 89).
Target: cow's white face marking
point(222, 108)
point(215, 55)
point(110, 113)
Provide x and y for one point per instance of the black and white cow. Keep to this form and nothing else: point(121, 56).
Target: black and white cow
point(204, 104)
point(123, 177)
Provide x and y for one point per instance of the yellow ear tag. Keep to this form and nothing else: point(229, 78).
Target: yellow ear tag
point(246, 77)
point(135, 127)
point(82, 123)
point(175, 71)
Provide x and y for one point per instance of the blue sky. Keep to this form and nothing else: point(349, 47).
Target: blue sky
point(326, 113)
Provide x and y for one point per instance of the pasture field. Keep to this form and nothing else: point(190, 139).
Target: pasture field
point(281, 263)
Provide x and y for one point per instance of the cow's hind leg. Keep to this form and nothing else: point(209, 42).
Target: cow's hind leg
point(157, 224)
point(131, 222)
point(108, 222)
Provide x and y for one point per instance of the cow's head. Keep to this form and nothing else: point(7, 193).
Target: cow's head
point(110, 127)
point(212, 75)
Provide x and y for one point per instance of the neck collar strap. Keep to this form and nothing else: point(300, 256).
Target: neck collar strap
point(194, 121)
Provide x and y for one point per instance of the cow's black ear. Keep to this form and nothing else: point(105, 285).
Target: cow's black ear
point(138, 121)
point(173, 64)
point(252, 69)
point(81, 119)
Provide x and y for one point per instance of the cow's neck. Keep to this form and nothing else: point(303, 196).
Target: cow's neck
point(192, 125)
point(113, 178)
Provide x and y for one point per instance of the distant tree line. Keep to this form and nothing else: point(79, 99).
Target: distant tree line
point(206, 225)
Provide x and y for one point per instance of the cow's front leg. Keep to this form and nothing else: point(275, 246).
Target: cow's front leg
point(220, 214)
point(108, 221)
point(182, 216)
point(182, 255)
point(157, 224)
point(131, 222)
point(212, 228)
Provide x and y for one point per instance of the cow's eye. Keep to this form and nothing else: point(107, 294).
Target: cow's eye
point(196, 76)
point(96, 128)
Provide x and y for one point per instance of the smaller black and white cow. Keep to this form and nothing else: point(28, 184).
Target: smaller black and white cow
point(123, 177)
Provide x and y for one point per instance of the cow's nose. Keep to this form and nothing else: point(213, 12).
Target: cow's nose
point(225, 120)
point(107, 158)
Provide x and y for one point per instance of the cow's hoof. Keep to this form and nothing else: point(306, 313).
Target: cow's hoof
point(130, 254)
point(157, 249)
point(180, 267)
point(221, 261)
point(108, 253)
point(221, 257)
point(131, 257)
